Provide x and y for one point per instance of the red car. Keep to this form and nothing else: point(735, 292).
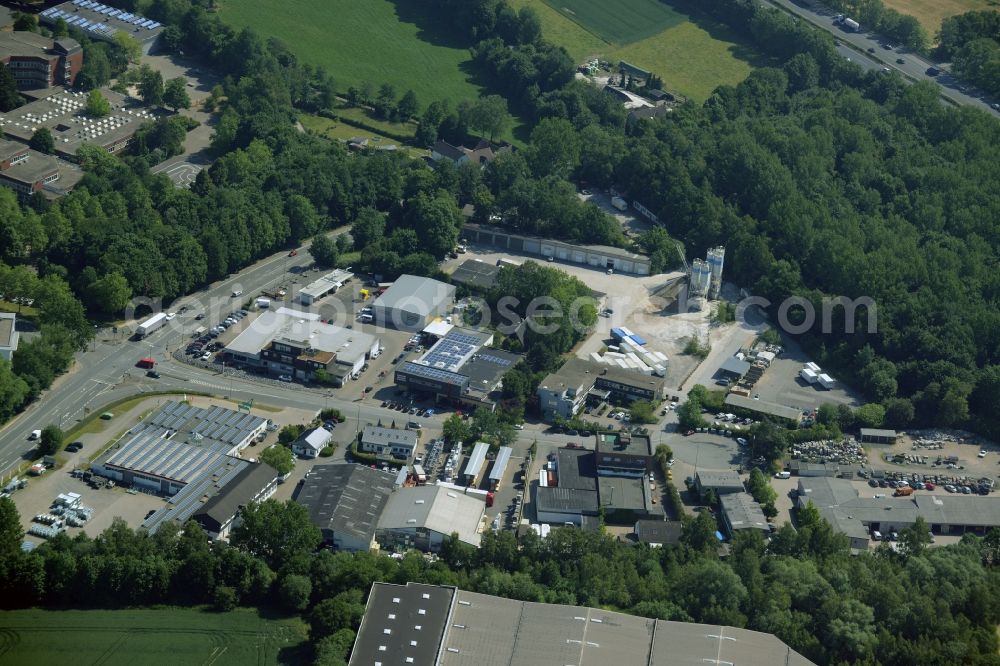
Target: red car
point(293, 253)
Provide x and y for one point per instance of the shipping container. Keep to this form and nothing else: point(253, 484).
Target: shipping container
point(808, 375)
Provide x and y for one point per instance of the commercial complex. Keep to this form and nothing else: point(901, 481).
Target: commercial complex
point(459, 368)
point(565, 392)
point(412, 302)
point(40, 62)
point(297, 344)
point(345, 502)
point(388, 443)
point(435, 625)
point(597, 256)
point(422, 517)
point(221, 514)
point(64, 115)
point(177, 445)
point(101, 22)
point(328, 284)
point(840, 503)
point(8, 335)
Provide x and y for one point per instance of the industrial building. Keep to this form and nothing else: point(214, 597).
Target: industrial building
point(459, 369)
point(740, 511)
point(221, 514)
point(422, 517)
point(499, 468)
point(8, 335)
point(658, 533)
point(475, 464)
point(436, 625)
point(412, 302)
point(597, 256)
point(176, 445)
point(623, 500)
point(101, 22)
point(345, 502)
point(734, 368)
point(311, 442)
point(328, 284)
point(840, 503)
point(64, 115)
point(624, 454)
point(877, 436)
point(573, 499)
point(297, 344)
point(578, 382)
point(477, 275)
point(180, 507)
point(388, 443)
point(722, 482)
point(40, 62)
point(28, 171)
point(764, 407)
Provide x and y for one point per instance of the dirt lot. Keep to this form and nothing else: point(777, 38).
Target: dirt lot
point(781, 383)
point(965, 449)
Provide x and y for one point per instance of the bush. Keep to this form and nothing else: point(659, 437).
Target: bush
point(224, 599)
point(327, 451)
point(331, 413)
point(290, 433)
point(52, 439)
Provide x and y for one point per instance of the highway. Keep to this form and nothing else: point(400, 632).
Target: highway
point(913, 67)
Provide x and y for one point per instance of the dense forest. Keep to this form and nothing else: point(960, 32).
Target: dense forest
point(971, 41)
point(920, 605)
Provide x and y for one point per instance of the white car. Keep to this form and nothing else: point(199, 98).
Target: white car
point(285, 378)
point(206, 356)
point(981, 454)
point(171, 316)
point(741, 441)
point(519, 426)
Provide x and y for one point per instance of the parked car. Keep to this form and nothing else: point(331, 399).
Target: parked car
point(153, 374)
point(285, 378)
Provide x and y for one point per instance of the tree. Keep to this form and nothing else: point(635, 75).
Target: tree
point(11, 533)
point(278, 457)
point(97, 105)
point(42, 141)
point(914, 539)
point(96, 70)
point(368, 227)
point(408, 106)
point(333, 650)
point(343, 611)
point(26, 22)
point(385, 102)
point(689, 415)
point(290, 433)
point(151, 86)
point(224, 599)
point(294, 591)
point(175, 94)
point(324, 251)
point(759, 486)
point(303, 219)
point(128, 45)
point(51, 440)
point(9, 97)
point(870, 415)
point(642, 411)
point(276, 532)
point(489, 115)
point(109, 294)
point(455, 429)
point(554, 149)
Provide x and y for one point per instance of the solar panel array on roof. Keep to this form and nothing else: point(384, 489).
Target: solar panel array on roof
point(502, 362)
point(436, 374)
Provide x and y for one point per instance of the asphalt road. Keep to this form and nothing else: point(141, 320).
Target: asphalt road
point(913, 67)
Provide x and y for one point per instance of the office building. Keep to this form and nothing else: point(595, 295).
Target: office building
point(578, 382)
point(102, 22)
point(624, 454)
point(8, 335)
point(311, 442)
point(389, 443)
point(40, 62)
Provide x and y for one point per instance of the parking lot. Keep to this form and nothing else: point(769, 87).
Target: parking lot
point(781, 384)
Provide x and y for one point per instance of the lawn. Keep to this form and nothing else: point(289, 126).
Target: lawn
point(379, 41)
point(930, 13)
point(339, 131)
point(692, 57)
point(148, 637)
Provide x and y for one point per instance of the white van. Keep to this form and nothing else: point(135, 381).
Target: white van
point(876, 535)
point(35, 434)
point(366, 318)
point(237, 292)
point(783, 475)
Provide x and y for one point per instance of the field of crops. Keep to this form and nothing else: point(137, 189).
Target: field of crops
point(145, 637)
point(619, 22)
point(930, 13)
point(380, 41)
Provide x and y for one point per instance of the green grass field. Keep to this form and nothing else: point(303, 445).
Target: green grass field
point(692, 58)
point(380, 41)
point(146, 638)
point(930, 13)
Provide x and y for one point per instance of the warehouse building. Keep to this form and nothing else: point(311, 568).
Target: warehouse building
point(740, 511)
point(176, 445)
point(499, 468)
point(840, 503)
point(64, 115)
point(9, 336)
point(600, 257)
point(180, 507)
point(221, 514)
point(475, 464)
point(40, 62)
point(657, 533)
point(297, 344)
point(877, 436)
point(422, 517)
point(102, 22)
point(624, 454)
point(345, 502)
point(436, 625)
point(574, 497)
point(389, 443)
point(477, 275)
point(721, 482)
point(412, 302)
point(459, 369)
point(579, 382)
point(321, 287)
point(624, 500)
point(764, 407)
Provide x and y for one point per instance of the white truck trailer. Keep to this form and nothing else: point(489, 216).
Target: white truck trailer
point(151, 324)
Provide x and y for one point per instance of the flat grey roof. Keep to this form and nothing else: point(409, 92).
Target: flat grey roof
point(624, 443)
point(577, 469)
point(734, 366)
point(8, 330)
point(346, 498)
point(380, 436)
point(322, 286)
point(500, 463)
point(301, 328)
point(725, 478)
point(659, 531)
point(964, 510)
point(416, 294)
point(476, 459)
point(403, 624)
point(764, 407)
point(577, 373)
point(876, 432)
point(566, 500)
point(477, 274)
point(743, 512)
point(102, 21)
point(624, 493)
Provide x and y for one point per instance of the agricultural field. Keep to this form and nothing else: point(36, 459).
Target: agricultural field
point(692, 58)
point(930, 13)
point(380, 41)
point(147, 637)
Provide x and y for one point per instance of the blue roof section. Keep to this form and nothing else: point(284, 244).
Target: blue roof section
point(637, 340)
